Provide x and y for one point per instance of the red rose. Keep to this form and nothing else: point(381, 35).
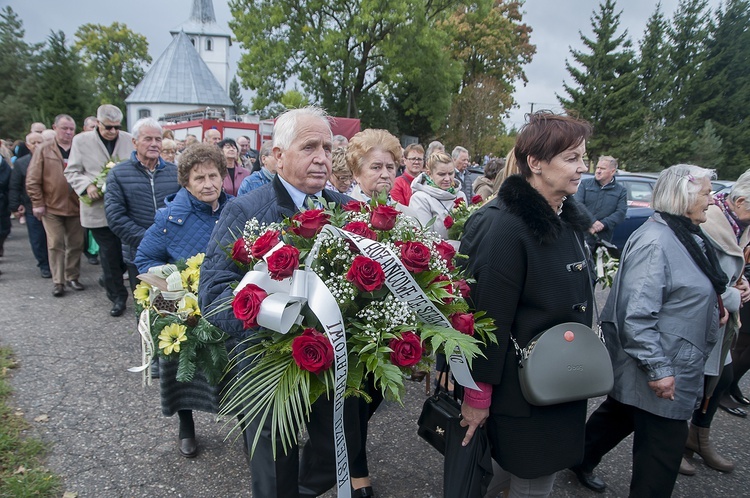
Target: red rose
point(463, 322)
point(448, 288)
point(264, 243)
point(383, 217)
point(458, 201)
point(415, 256)
point(366, 274)
point(246, 304)
point(312, 351)
point(239, 252)
point(463, 288)
point(283, 262)
point(407, 351)
point(477, 199)
point(360, 228)
point(309, 222)
point(446, 251)
point(354, 206)
point(448, 222)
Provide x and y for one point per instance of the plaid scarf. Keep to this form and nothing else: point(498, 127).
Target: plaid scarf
point(722, 201)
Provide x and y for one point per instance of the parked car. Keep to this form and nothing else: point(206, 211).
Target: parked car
point(718, 185)
point(639, 188)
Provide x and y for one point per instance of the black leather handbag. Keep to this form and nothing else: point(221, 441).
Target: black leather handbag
point(438, 410)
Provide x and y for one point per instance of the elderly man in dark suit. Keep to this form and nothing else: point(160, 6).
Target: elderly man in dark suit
point(302, 146)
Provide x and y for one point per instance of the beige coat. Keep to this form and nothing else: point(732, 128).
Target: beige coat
point(88, 155)
point(46, 184)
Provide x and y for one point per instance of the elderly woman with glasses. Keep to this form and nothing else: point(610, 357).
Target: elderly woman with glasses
point(660, 323)
point(168, 150)
point(413, 166)
point(341, 179)
point(236, 173)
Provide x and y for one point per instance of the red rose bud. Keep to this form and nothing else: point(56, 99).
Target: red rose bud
point(463, 288)
point(383, 217)
point(415, 256)
point(446, 251)
point(458, 201)
point(360, 228)
point(448, 222)
point(477, 199)
point(239, 252)
point(246, 305)
point(366, 274)
point(283, 262)
point(354, 206)
point(463, 322)
point(312, 351)
point(309, 222)
point(264, 243)
point(407, 351)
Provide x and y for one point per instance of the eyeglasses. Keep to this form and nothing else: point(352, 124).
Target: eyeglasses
point(111, 127)
point(415, 159)
point(168, 151)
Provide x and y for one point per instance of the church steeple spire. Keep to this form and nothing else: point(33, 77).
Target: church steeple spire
point(203, 11)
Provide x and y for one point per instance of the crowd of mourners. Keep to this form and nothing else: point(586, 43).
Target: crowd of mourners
point(673, 321)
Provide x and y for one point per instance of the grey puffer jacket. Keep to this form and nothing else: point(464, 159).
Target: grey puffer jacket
point(429, 202)
point(661, 319)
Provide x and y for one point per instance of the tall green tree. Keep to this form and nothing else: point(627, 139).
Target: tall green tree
point(17, 85)
point(114, 57)
point(606, 84)
point(727, 86)
point(349, 55)
point(235, 96)
point(493, 45)
point(62, 89)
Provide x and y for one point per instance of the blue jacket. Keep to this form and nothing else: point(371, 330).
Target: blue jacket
point(132, 198)
point(270, 203)
point(181, 229)
point(608, 204)
point(256, 180)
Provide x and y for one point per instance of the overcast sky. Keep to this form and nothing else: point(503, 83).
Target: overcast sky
point(556, 25)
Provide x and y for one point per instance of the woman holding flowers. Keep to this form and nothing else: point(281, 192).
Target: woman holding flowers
point(182, 229)
point(523, 247)
point(435, 193)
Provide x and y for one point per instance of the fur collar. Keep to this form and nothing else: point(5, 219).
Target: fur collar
point(523, 200)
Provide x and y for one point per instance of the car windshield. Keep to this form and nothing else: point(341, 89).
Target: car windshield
point(639, 193)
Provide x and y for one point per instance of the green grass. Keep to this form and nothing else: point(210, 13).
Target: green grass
point(21, 471)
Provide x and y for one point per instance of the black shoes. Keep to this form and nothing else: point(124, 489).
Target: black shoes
point(589, 480)
point(738, 397)
point(93, 259)
point(365, 492)
point(737, 412)
point(46, 273)
point(117, 309)
point(188, 447)
point(58, 290)
point(75, 284)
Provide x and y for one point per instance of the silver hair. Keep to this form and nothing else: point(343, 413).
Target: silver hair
point(285, 129)
point(266, 149)
point(612, 161)
point(60, 117)
point(89, 119)
point(677, 188)
point(109, 112)
point(145, 123)
point(457, 151)
point(741, 188)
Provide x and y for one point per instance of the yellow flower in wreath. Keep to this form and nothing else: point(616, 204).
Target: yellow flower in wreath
point(171, 337)
point(189, 305)
point(196, 261)
point(142, 294)
point(190, 279)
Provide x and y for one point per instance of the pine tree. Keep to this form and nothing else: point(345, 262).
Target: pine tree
point(236, 97)
point(61, 87)
point(606, 84)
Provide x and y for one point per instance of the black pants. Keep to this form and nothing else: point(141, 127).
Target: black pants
point(314, 471)
point(703, 419)
point(38, 240)
point(657, 445)
point(110, 257)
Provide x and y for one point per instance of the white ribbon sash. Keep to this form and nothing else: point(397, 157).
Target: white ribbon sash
point(147, 347)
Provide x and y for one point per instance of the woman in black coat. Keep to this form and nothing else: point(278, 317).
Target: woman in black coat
point(524, 251)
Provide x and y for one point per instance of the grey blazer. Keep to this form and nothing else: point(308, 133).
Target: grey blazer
point(661, 319)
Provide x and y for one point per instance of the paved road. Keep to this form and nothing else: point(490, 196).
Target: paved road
point(108, 437)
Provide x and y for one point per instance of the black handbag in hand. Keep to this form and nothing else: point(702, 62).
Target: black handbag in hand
point(438, 410)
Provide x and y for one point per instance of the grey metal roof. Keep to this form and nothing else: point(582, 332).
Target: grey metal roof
point(202, 21)
point(180, 76)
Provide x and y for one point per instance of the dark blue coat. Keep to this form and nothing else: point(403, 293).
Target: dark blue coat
point(181, 229)
point(268, 204)
point(608, 204)
point(132, 198)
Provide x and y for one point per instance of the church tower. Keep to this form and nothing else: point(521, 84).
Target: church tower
point(210, 40)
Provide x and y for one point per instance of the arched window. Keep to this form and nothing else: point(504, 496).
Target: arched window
point(209, 44)
point(192, 40)
point(144, 113)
